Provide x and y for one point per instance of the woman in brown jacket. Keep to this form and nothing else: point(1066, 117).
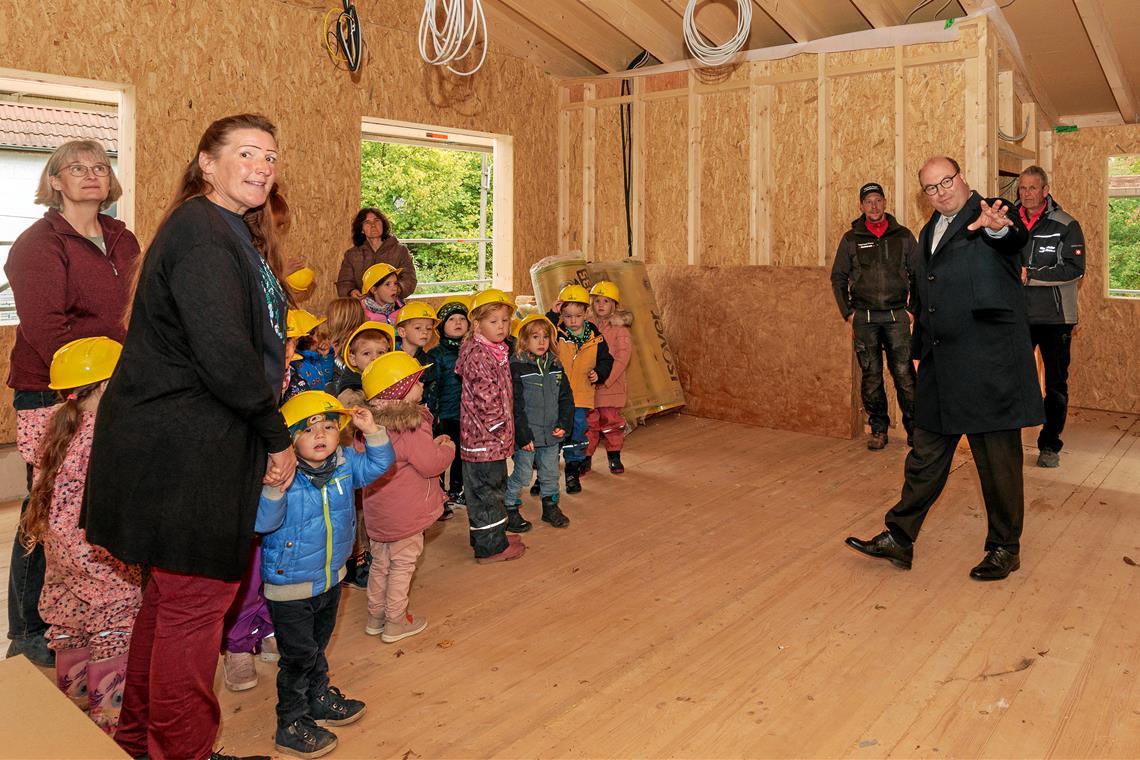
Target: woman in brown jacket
point(374, 243)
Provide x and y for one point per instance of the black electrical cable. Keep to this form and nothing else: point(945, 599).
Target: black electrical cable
point(626, 113)
point(348, 36)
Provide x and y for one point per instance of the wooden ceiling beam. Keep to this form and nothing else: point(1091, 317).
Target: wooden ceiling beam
point(651, 24)
point(793, 18)
point(1092, 16)
point(584, 33)
point(517, 36)
point(879, 13)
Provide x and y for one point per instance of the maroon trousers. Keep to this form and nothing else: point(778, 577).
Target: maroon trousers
point(169, 706)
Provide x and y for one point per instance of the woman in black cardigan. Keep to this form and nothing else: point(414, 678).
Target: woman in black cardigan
point(189, 430)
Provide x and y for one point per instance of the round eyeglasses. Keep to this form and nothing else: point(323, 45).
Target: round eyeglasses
point(945, 182)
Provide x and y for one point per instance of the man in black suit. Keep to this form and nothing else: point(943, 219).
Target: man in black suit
point(976, 374)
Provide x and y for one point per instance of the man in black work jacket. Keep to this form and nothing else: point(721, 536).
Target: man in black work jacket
point(872, 277)
point(976, 374)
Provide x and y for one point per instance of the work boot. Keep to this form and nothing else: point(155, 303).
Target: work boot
point(304, 738)
point(572, 483)
point(616, 467)
point(877, 441)
point(106, 679)
point(552, 514)
point(238, 673)
point(516, 523)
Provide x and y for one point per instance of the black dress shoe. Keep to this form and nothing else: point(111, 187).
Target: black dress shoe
point(998, 564)
point(884, 546)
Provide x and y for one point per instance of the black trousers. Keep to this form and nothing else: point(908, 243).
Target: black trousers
point(871, 340)
point(485, 484)
point(26, 571)
point(304, 627)
point(998, 458)
point(1055, 342)
point(451, 428)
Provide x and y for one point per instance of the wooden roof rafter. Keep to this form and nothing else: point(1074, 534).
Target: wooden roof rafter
point(793, 18)
point(879, 13)
point(1092, 16)
point(651, 24)
point(583, 32)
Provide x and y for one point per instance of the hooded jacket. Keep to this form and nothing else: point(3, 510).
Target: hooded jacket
point(874, 274)
point(1054, 258)
point(613, 390)
point(579, 361)
point(308, 530)
point(543, 400)
point(407, 498)
point(486, 411)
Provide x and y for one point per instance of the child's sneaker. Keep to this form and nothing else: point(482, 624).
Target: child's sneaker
point(616, 467)
point(304, 738)
point(408, 625)
point(516, 523)
point(456, 500)
point(514, 550)
point(375, 625)
point(269, 651)
point(332, 708)
point(357, 571)
point(238, 673)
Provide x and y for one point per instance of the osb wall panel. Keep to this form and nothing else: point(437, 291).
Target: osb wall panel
point(934, 97)
point(213, 70)
point(574, 191)
point(854, 58)
point(1105, 370)
point(807, 64)
point(675, 80)
point(666, 174)
point(724, 189)
point(859, 150)
point(795, 158)
point(609, 192)
point(775, 379)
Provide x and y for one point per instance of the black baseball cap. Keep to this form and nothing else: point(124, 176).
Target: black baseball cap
point(870, 187)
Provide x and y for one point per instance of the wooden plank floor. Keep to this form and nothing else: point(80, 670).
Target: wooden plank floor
point(703, 606)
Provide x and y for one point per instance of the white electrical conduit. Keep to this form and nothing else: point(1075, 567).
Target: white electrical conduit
point(716, 55)
point(453, 38)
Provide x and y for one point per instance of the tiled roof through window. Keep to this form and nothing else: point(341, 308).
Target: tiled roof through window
point(34, 127)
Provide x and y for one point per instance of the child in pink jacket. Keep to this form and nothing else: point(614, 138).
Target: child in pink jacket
point(407, 499)
point(605, 421)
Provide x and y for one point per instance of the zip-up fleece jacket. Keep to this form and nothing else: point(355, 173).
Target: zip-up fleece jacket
point(486, 411)
point(407, 498)
point(308, 530)
point(543, 400)
point(612, 391)
point(577, 361)
point(1054, 259)
point(872, 274)
point(65, 289)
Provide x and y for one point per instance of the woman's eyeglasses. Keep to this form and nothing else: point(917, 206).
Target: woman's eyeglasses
point(81, 170)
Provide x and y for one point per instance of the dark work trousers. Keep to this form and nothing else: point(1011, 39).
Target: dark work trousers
point(484, 486)
point(304, 627)
point(871, 340)
point(450, 428)
point(1054, 342)
point(26, 571)
point(997, 456)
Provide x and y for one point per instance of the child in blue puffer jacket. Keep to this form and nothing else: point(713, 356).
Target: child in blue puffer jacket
point(309, 531)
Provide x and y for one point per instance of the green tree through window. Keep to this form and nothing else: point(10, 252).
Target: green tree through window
point(431, 193)
point(1124, 226)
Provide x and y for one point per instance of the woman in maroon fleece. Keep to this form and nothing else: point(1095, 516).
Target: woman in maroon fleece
point(70, 274)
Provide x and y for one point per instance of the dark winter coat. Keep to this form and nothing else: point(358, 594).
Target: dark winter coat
point(443, 389)
point(971, 335)
point(1054, 259)
point(871, 273)
point(65, 288)
point(358, 258)
point(188, 418)
point(543, 400)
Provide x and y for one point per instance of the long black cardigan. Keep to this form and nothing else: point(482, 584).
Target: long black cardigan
point(182, 432)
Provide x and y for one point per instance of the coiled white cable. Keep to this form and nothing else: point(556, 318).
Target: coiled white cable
point(716, 55)
point(451, 39)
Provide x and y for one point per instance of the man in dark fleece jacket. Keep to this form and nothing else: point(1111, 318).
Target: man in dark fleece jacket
point(872, 277)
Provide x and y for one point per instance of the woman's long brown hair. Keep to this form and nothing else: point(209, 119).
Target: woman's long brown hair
point(267, 223)
point(53, 450)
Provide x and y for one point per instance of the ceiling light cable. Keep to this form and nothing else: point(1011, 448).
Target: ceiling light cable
point(448, 32)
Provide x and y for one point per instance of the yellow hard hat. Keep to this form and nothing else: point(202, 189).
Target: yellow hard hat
point(415, 310)
point(83, 362)
point(515, 324)
point(391, 376)
point(375, 274)
point(574, 293)
point(383, 327)
point(308, 404)
point(516, 329)
point(465, 301)
point(606, 289)
point(299, 323)
point(302, 279)
point(491, 295)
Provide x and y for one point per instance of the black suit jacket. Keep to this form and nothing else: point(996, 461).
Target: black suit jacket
point(971, 336)
point(182, 432)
